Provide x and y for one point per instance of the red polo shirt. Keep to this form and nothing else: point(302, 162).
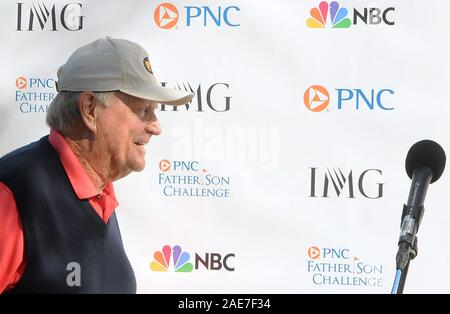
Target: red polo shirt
point(12, 249)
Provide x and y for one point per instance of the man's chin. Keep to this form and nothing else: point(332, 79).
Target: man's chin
point(133, 165)
point(138, 167)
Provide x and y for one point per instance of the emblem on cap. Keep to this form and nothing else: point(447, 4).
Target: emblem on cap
point(147, 65)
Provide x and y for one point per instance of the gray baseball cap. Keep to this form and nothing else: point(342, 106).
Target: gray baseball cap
point(110, 64)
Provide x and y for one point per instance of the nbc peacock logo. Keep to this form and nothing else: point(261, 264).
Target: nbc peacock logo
point(180, 260)
point(319, 16)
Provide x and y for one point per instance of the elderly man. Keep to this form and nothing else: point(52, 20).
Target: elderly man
point(58, 229)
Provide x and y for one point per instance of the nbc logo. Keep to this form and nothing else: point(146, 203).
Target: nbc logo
point(317, 98)
point(337, 15)
point(314, 252)
point(180, 260)
point(166, 15)
point(164, 165)
point(174, 259)
point(334, 16)
point(21, 82)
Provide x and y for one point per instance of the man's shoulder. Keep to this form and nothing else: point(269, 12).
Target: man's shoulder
point(22, 155)
point(36, 145)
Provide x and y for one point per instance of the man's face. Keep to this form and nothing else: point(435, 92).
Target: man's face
point(124, 127)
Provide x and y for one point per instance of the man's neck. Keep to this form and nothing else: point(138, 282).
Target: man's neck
point(88, 157)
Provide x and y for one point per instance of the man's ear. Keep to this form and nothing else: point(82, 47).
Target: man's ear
point(88, 110)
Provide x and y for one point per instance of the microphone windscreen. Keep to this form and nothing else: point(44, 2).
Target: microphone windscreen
point(426, 153)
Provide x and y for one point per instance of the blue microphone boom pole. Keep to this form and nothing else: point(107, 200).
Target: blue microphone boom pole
point(411, 217)
point(425, 163)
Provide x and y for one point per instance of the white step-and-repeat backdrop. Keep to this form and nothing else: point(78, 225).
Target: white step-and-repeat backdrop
point(285, 174)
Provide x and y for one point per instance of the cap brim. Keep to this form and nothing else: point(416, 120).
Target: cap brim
point(163, 95)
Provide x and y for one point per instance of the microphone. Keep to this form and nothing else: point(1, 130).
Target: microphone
point(424, 164)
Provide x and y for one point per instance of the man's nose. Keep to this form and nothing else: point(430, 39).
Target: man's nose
point(153, 127)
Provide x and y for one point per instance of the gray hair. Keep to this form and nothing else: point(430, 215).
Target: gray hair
point(63, 111)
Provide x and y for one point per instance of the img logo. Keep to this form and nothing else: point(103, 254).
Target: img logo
point(180, 260)
point(176, 260)
point(167, 16)
point(317, 98)
point(213, 97)
point(39, 16)
point(334, 16)
point(324, 181)
point(338, 267)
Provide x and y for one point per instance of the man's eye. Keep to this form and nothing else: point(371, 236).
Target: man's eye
point(143, 110)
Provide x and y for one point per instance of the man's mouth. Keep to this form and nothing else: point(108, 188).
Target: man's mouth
point(141, 142)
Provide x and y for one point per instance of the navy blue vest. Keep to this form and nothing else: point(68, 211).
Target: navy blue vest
point(60, 229)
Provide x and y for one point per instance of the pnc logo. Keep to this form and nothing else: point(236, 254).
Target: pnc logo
point(21, 82)
point(164, 165)
point(314, 252)
point(320, 15)
point(316, 98)
point(180, 260)
point(166, 15)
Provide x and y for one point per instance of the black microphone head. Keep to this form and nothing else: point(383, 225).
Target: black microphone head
point(426, 153)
